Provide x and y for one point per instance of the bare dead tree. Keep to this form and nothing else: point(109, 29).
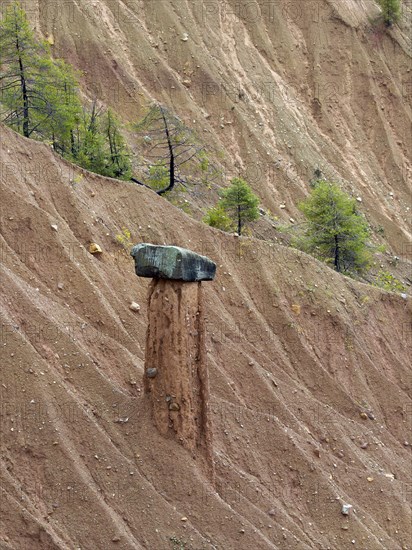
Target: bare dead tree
point(171, 151)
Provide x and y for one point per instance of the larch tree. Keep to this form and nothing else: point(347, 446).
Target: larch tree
point(119, 155)
point(391, 10)
point(172, 154)
point(99, 144)
point(335, 231)
point(34, 89)
point(237, 206)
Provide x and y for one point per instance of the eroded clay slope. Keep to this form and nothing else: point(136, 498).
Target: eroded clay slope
point(309, 375)
point(280, 88)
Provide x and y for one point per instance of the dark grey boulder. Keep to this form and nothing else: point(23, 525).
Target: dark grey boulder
point(151, 373)
point(171, 262)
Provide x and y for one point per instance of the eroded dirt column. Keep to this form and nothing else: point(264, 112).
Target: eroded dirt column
point(176, 378)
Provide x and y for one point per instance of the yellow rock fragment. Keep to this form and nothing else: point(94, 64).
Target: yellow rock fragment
point(95, 249)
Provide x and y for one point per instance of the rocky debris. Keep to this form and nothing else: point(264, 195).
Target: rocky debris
point(151, 373)
point(122, 420)
point(172, 262)
point(60, 286)
point(346, 509)
point(134, 306)
point(95, 248)
point(366, 413)
point(54, 227)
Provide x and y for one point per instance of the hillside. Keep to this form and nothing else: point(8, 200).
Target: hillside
point(310, 378)
point(278, 88)
point(309, 375)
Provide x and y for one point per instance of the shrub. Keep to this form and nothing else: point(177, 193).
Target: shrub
point(217, 217)
point(387, 281)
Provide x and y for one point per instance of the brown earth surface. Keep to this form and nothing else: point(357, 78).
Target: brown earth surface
point(176, 351)
point(275, 88)
point(310, 377)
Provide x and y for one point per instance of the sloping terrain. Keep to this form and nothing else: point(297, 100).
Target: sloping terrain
point(278, 87)
point(309, 374)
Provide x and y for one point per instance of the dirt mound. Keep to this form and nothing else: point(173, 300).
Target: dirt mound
point(309, 375)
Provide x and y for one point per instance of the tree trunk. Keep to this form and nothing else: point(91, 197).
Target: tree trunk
point(114, 153)
point(337, 254)
point(23, 86)
point(73, 144)
point(172, 158)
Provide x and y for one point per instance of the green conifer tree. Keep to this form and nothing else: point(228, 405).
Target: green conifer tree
point(335, 231)
point(20, 61)
point(391, 10)
point(99, 144)
point(34, 96)
point(91, 151)
point(240, 203)
point(64, 109)
point(119, 165)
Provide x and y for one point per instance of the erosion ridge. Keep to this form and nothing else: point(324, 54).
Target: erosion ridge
point(278, 88)
point(309, 383)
